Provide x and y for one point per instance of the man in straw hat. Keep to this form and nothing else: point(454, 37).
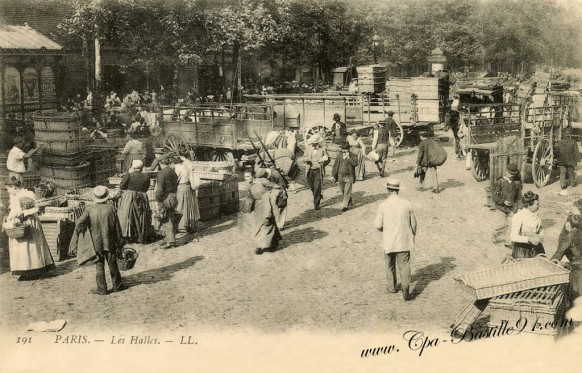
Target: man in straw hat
point(506, 196)
point(395, 219)
point(106, 236)
point(315, 160)
point(567, 150)
point(344, 172)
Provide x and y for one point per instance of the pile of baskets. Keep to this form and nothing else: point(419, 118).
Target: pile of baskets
point(63, 157)
point(527, 288)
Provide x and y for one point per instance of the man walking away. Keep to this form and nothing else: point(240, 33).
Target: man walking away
point(106, 236)
point(315, 159)
point(567, 150)
point(395, 219)
point(344, 172)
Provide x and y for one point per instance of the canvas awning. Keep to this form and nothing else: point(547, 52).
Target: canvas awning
point(24, 39)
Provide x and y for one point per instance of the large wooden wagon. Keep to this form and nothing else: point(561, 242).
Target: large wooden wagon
point(215, 132)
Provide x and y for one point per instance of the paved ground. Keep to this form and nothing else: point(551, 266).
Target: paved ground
point(327, 276)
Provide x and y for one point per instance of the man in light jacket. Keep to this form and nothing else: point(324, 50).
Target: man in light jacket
point(395, 219)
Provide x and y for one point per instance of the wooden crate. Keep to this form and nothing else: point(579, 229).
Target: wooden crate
point(469, 314)
point(507, 150)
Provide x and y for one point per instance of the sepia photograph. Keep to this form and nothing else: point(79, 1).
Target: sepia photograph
point(290, 185)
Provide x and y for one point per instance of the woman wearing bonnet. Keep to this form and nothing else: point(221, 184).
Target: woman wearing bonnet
point(30, 256)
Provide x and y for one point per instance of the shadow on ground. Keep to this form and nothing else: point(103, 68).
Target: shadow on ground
point(431, 272)
point(156, 275)
point(326, 211)
point(450, 183)
point(300, 236)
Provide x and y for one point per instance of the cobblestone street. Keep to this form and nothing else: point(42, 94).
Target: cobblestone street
point(328, 275)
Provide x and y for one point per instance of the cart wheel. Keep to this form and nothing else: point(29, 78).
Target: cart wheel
point(220, 155)
point(543, 158)
point(172, 143)
point(399, 136)
point(480, 164)
point(323, 132)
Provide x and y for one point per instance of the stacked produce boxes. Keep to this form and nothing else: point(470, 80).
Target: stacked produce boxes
point(371, 79)
point(63, 159)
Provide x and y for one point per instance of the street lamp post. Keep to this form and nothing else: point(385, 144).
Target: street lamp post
point(375, 45)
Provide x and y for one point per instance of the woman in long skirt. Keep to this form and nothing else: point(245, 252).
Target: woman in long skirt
point(358, 147)
point(134, 211)
point(188, 183)
point(30, 256)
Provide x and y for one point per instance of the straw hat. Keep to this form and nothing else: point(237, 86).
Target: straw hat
point(314, 139)
point(136, 164)
point(393, 184)
point(100, 193)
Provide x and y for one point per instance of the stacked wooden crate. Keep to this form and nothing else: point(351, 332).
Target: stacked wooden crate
point(371, 79)
point(103, 163)
point(400, 98)
point(431, 96)
point(209, 200)
point(229, 196)
point(63, 157)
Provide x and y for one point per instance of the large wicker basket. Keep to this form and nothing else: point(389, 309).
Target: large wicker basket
point(55, 121)
point(513, 277)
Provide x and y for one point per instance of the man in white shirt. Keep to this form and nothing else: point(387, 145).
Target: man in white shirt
point(16, 157)
point(395, 219)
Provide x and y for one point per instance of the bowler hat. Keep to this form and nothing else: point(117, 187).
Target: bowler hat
point(390, 113)
point(100, 193)
point(512, 169)
point(393, 184)
point(336, 116)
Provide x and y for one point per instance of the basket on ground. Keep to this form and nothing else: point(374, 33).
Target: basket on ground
point(127, 258)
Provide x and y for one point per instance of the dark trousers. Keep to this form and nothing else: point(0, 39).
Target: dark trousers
point(567, 176)
point(458, 149)
point(402, 260)
point(345, 185)
point(167, 226)
point(315, 181)
point(113, 271)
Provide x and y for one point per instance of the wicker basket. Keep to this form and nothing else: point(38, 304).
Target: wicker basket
point(73, 146)
point(54, 121)
point(63, 173)
point(42, 191)
point(127, 259)
point(20, 231)
point(513, 277)
point(469, 314)
point(543, 306)
point(62, 160)
point(209, 175)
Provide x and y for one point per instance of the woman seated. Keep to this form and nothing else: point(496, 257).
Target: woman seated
point(30, 256)
point(526, 228)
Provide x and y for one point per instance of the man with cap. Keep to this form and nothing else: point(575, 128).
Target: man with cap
point(134, 210)
point(344, 172)
point(165, 195)
point(272, 175)
point(106, 236)
point(567, 151)
point(315, 160)
point(506, 196)
point(395, 219)
point(339, 130)
point(381, 141)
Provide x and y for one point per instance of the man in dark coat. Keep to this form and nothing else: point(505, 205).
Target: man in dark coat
point(344, 172)
point(452, 121)
point(106, 237)
point(424, 161)
point(165, 193)
point(567, 150)
point(381, 141)
point(339, 130)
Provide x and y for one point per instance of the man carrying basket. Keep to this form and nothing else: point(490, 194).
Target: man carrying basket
point(105, 230)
